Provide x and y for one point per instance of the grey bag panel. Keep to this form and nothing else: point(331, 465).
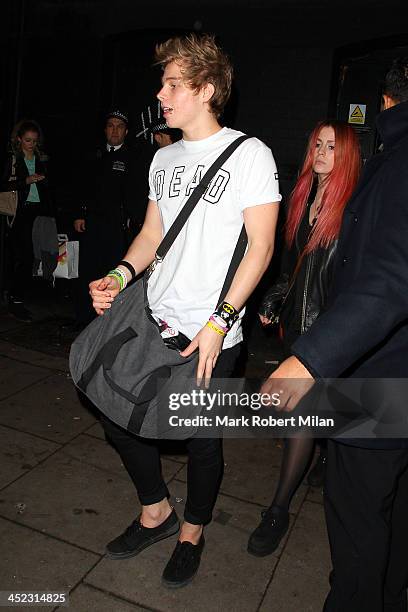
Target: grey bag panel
point(156, 422)
point(104, 371)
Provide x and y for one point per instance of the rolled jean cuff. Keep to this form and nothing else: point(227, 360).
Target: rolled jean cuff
point(199, 518)
point(155, 496)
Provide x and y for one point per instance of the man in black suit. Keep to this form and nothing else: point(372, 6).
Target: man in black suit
point(108, 190)
point(364, 334)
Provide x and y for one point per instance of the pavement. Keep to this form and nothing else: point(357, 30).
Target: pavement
point(64, 493)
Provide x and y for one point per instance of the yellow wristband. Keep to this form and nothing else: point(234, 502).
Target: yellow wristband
point(215, 328)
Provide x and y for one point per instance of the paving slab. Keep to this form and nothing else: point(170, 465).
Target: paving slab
point(315, 494)
point(308, 546)
point(300, 581)
point(96, 431)
point(295, 591)
point(97, 453)
point(43, 335)
point(50, 409)
point(82, 494)
point(27, 355)
point(252, 469)
point(229, 579)
point(32, 561)
point(8, 322)
point(170, 449)
point(20, 452)
point(88, 599)
point(17, 376)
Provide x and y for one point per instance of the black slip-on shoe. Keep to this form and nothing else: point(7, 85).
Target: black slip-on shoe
point(267, 536)
point(183, 564)
point(137, 537)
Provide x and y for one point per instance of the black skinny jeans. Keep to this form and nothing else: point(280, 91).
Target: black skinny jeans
point(141, 458)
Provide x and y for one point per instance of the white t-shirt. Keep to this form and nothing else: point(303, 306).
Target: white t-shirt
point(184, 288)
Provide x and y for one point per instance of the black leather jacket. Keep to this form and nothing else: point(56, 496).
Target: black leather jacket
point(316, 270)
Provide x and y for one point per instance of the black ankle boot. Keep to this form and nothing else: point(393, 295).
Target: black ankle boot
point(266, 537)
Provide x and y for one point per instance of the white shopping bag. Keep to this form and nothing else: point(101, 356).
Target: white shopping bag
point(68, 258)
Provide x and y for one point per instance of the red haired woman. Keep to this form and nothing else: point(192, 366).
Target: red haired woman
point(327, 179)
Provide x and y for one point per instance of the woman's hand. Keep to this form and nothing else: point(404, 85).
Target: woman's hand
point(103, 291)
point(209, 345)
point(79, 225)
point(264, 320)
point(34, 178)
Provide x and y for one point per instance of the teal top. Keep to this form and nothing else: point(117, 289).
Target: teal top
point(33, 195)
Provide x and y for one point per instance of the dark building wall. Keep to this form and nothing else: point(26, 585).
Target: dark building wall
point(282, 52)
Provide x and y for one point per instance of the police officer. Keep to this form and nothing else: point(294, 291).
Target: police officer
point(106, 210)
point(163, 135)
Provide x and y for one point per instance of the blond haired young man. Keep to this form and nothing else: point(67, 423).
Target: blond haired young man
point(185, 286)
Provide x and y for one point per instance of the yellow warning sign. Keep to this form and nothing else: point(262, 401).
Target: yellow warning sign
point(357, 113)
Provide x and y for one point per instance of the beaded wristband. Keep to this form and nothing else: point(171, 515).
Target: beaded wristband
point(215, 328)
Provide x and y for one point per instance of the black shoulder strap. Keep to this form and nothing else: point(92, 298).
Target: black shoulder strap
point(192, 201)
point(235, 261)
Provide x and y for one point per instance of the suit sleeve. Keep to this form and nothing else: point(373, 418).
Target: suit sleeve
point(137, 184)
point(376, 301)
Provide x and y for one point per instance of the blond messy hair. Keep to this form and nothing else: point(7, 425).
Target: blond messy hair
point(201, 61)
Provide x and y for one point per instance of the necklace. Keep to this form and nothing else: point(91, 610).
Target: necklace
point(314, 212)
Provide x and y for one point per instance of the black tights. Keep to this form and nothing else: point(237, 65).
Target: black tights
point(297, 455)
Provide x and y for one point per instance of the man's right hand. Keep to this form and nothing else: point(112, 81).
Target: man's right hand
point(79, 225)
point(103, 291)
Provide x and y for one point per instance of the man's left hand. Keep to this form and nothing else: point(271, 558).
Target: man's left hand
point(209, 345)
point(291, 380)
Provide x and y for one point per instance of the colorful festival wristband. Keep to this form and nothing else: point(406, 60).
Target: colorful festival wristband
point(120, 276)
point(227, 313)
point(220, 322)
